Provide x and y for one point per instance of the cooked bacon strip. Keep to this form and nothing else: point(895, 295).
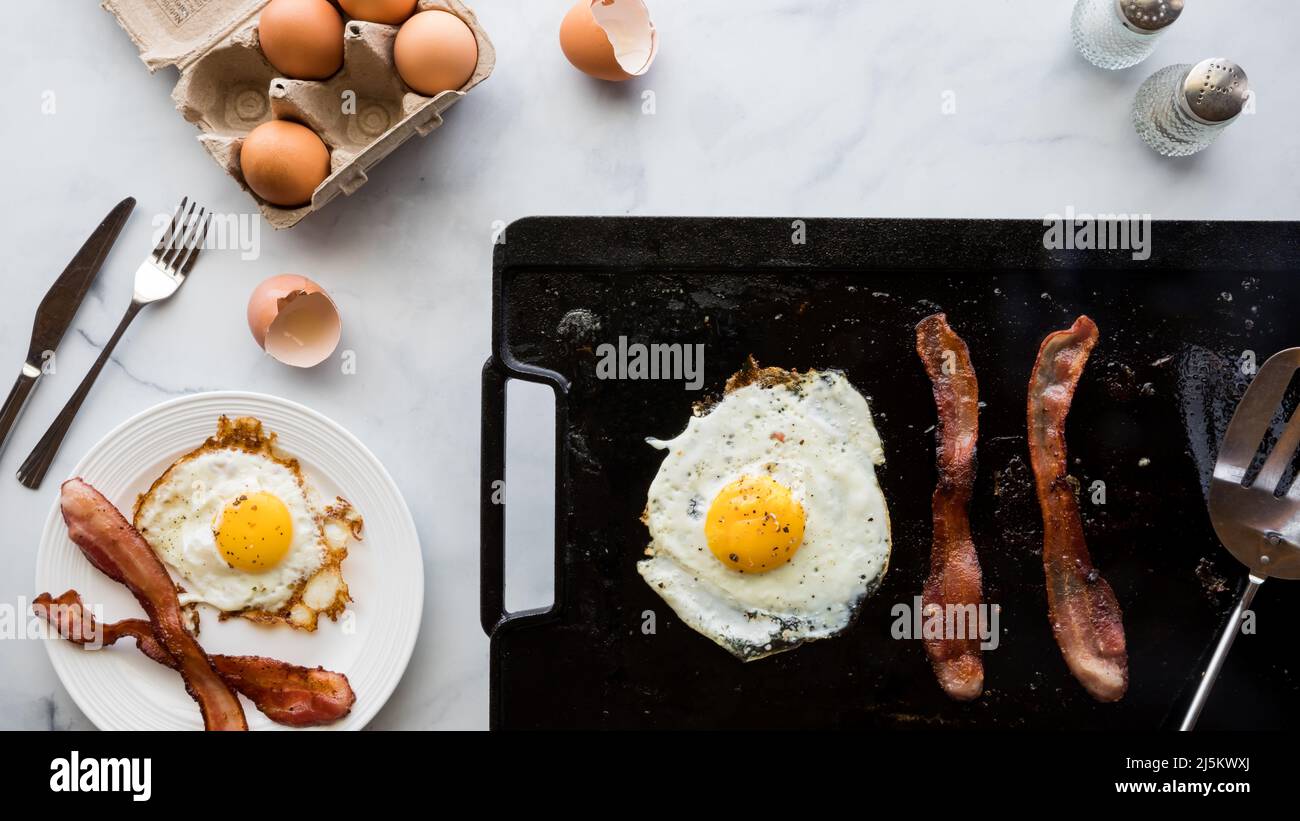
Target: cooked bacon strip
point(285, 693)
point(113, 545)
point(68, 615)
point(1085, 615)
point(954, 579)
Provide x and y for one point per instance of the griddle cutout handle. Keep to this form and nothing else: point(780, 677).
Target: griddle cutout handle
point(492, 508)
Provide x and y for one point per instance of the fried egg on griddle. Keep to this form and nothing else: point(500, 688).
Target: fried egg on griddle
point(768, 525)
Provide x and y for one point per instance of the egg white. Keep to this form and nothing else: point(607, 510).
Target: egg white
point(178, 515)
point(812, 433)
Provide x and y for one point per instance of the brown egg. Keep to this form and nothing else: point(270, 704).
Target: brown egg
point(391, 12)
point(294, 320)
point(609, 39)
point(284, 162)
point(435, 51)
point(303, 39)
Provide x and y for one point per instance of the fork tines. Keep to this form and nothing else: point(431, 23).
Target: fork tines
point(183, 239)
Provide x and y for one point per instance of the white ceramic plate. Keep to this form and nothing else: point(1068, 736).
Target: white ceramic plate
point(119, 689)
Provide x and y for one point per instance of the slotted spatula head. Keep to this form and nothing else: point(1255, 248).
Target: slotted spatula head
point(1256, 519)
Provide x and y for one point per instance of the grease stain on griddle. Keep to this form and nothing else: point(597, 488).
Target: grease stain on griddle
point(580, 328)
point(1212, 581)
point(1210, 385)
point(1014, 494)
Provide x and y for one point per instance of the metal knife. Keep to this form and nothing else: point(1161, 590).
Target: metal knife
point(55, 313)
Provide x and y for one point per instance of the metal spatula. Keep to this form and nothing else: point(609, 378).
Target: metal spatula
point(1256, 519)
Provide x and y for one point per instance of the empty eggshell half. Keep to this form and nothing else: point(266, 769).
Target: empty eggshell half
point(294, 320)
point(609, 39)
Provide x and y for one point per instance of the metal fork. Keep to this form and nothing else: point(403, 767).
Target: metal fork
point(157, 278)
point(1258, 525)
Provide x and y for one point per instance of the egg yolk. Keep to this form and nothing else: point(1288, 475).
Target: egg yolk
point(254, 532)
point(754, 524)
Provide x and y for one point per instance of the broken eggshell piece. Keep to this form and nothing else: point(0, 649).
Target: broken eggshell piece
point(609, 39)
point(294, 320)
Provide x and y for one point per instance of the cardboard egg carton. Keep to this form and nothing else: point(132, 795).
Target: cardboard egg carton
point(227, 87)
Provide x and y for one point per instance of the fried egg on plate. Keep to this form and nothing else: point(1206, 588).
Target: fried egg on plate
point(767, 523)
point(245, 533)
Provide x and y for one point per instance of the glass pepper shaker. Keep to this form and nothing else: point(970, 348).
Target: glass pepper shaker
point(1121, 33)
point(1181, 109)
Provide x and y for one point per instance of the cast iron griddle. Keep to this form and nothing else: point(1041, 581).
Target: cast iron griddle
point(1156, 395)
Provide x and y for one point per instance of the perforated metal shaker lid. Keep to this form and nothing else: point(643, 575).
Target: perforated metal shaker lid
point(1215, 90)
point(1148, 16)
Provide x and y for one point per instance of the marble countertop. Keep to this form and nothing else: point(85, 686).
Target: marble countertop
point(763, 108)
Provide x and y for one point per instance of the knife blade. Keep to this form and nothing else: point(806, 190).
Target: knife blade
point(55, 313)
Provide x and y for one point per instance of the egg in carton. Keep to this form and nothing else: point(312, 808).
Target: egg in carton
point(227, 87)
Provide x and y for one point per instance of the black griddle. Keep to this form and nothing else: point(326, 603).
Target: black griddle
point(1151, 406)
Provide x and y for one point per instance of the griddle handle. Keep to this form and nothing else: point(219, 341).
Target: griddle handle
point(492, 513)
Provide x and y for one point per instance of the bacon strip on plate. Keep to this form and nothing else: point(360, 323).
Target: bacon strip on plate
point(286, 693)
point(1085, 616)
point(70, 618)
point(113, 545)
point(955, 580)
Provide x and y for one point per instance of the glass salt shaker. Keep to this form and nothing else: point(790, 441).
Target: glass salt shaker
point(1121, 33)
point(1181, 109)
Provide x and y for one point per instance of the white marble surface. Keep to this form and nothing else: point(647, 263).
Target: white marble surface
point(763, 107)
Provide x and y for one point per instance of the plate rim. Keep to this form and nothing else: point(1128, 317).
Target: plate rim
point(359, 720)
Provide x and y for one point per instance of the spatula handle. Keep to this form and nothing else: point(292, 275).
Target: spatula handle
point(1229, 635)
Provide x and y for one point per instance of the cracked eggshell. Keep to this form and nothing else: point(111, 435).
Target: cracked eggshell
point(294, 320)
point(609, 39)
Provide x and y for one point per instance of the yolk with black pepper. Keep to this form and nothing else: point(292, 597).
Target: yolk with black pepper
point(754, 524)
point(254, 531)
